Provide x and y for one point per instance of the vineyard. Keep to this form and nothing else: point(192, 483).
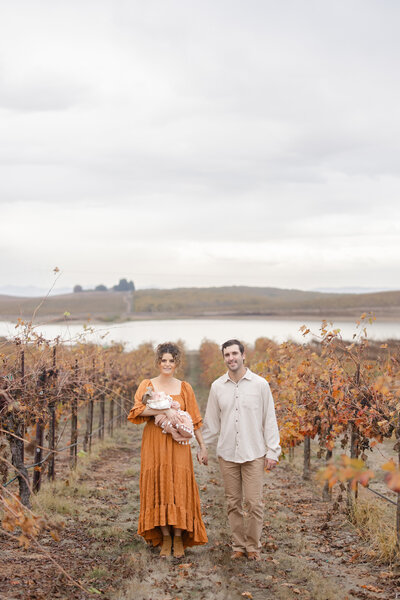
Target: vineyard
point(335, 400)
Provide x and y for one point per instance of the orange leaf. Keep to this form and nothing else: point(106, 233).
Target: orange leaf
point(389, 466)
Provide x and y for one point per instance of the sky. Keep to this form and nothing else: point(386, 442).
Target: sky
point(181, 143)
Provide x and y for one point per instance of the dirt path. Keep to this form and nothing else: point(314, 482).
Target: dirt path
point(304, 555)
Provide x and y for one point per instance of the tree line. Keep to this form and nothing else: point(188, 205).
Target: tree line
point(123, 286)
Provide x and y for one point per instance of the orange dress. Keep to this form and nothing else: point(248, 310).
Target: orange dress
point(168, 490)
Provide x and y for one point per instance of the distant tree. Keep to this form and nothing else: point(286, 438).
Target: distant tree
point(124, 286)
point(100, 288)
point(77, 289)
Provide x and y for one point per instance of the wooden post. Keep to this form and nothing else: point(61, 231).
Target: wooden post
point(398, 494)
point(38, 453)
point(102, 409)
point(51, 473)
point(73, 451)
point(102, 405)
point(307, 458)
point(87, 442)
point(327, 492)
point(354, 449)
point(16, 427)
point(22, 394)
point(111, 418)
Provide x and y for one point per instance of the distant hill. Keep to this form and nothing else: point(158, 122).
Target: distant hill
point(238, 301)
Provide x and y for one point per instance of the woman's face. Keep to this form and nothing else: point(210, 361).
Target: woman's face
point(167, 364)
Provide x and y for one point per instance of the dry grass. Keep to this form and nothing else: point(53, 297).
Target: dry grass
point(375, 522)
point(67, 497)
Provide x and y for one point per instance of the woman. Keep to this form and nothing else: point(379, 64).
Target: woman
point(169, 496)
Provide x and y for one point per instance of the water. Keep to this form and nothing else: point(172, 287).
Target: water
point(193, 331)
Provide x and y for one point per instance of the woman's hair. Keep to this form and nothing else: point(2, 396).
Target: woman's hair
point(168, 348)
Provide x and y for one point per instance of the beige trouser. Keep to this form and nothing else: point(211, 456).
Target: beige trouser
point(244, 482)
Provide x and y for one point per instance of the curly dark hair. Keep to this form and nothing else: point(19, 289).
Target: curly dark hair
point(168, 348)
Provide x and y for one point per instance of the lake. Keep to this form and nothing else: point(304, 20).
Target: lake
point(193, 331)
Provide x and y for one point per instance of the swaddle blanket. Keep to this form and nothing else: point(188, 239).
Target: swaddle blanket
point(180, 425)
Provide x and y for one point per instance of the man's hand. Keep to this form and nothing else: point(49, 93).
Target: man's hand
point(269, 464)
point(202, 455)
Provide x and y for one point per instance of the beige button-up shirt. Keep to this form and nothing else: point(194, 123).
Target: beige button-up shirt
point(243, 414)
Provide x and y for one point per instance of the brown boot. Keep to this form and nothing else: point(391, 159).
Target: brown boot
point(166, 546)
point(179, 551)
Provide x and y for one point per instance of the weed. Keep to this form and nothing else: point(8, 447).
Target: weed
point(374, 523)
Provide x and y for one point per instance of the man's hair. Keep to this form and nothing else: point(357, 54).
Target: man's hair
point(232, 343)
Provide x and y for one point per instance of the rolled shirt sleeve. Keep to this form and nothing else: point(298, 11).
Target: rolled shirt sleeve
point(270, 425)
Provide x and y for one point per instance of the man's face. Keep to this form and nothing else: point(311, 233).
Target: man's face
point(233, 358)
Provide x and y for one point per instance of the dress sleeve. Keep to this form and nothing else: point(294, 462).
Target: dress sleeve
point(138, 407)
point(191, 405)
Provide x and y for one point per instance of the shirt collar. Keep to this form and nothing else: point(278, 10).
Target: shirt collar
point(247, 375)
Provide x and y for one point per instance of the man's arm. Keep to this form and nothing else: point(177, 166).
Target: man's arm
point(212, 419)
point(270, 427)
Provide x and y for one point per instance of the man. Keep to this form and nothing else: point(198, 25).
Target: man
point(241, 411)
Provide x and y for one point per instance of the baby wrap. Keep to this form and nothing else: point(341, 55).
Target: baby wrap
point(180, 426)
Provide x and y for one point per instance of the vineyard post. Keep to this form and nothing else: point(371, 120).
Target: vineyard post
point(73, 451)
point(354, 447)
point(87, 442)
point(111, 412)
point(327, 491)
point(91, 409)
point(111, 418)
point(16, 430)
point(101, 415)
point(23, 384)
point(102, 409)
point(307, 458)
point(398, 493)
point(51, 473)
point(37, 473)
point(119, 411)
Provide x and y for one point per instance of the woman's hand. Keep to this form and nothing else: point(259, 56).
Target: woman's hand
point(202, 455)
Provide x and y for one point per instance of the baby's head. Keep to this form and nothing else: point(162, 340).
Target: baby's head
point(147, 395)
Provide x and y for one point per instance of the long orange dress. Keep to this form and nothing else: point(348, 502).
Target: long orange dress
point(168, 490)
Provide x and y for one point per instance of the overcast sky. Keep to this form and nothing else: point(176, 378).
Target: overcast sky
point(182, 143)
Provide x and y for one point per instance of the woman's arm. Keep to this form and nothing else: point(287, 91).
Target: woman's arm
point(152, 412)
point(202, 455)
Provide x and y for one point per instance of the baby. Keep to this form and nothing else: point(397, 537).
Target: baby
point(180, 427)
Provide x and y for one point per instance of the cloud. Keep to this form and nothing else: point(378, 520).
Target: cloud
point(132, 131)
